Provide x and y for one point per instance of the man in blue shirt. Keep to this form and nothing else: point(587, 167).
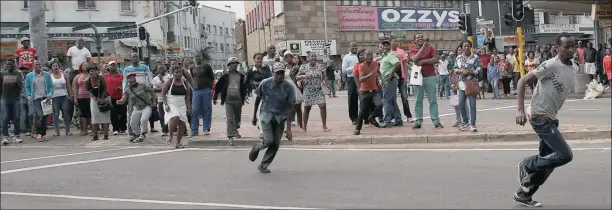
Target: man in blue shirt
point(348, 62)
point(278, 98)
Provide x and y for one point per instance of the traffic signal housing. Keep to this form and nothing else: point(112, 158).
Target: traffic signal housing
point(509, 20)
point(464, 24)
point(192, 3)
point(518, 10)
point(142, 33)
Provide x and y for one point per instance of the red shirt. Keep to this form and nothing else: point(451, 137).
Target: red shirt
point(401, 54)
point(371, 83)
point(26, 57)
point(427, 70)
point(112, 83)
point(484, 59)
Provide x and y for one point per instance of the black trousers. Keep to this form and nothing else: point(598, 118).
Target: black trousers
point(118, 116)
point(371, 107)
point(353, 99)
point(506, 85)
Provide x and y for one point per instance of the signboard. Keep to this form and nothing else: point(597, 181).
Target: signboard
point(388, 35)
point(75, 35)
point(8, 48)
point(357, 18)
point(484, 24)
point(301, 47)
point(480, 38)
point(508, 40)
point(417, 19)
point(558, 28)
point(279, 32)
point(108, 59)
point(603, 11)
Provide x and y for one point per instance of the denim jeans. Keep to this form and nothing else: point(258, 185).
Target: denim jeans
point(444, 85)
point(41, 120)
point(272, 133)
point(553, 152)
point(11, 111)
point(495, 85)
point(332, 86)
point(27, 117)
point(471, 107)
point(390, 107)
point(201, 106)
point(61, 104)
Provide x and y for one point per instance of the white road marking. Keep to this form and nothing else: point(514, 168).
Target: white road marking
point(86, 161)
point(496, 108)
point(220, 205)
point(404, 149)
point(64, 155)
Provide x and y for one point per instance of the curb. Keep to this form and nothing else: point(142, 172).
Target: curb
point(411, 139)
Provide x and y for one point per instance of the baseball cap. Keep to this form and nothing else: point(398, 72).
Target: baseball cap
point(232, 60)
point(24, 39)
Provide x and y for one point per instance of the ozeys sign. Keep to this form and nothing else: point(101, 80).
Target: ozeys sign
point(417, 19)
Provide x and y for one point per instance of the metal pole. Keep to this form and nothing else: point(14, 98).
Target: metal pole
point(500, 21)
point(98, 43)
point(38, 29)
point(163, 15)
point(479, 8)
point(148, 50)
point(325, 25)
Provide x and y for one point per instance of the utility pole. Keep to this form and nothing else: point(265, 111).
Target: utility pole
point(38, 29)
point(326, 51)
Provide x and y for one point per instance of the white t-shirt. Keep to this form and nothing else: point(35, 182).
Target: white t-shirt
point(159, 83)
point(443, 67)
point(78, 56)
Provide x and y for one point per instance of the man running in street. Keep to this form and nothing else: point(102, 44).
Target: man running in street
point(277, 106)
point(555, 79)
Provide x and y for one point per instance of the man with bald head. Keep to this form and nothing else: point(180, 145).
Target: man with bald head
point(268, 59)
point(78, 54)
point(348, 62)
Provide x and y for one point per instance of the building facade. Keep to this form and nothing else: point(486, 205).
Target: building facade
point(219, 30)
point(67, 21)
point(241, 44)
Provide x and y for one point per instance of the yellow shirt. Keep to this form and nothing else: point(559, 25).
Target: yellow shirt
point(517, 66)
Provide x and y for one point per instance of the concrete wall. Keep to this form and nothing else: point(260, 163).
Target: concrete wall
point(241, 44)
point(259, 39)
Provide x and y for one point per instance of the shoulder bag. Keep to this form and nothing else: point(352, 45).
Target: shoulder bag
point(104, 104)
point(154, 111)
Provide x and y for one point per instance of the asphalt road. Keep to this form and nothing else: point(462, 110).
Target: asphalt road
point(574, 111)
point(384, 176)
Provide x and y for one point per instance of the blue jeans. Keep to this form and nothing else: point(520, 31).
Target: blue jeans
point(390, 107)
point(27, 117)
point(495, 85)
point(444, 85)
point(464, 109)
point(201, 106)
point(11, 111)
point(553, 152)
point(62, 104)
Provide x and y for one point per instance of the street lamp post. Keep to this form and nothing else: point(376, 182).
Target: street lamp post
point(228, 29)
point(326, 51)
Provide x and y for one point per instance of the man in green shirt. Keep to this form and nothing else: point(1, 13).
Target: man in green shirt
point(389, 66)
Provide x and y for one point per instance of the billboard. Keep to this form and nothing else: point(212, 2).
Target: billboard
point(357, 18)
point(417, 19)
point(302, 47)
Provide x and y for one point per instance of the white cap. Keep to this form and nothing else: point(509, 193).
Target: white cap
point(112, 62)
point(232, 60)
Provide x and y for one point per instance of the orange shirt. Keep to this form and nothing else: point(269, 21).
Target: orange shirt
point(607, 64)
point(372, 82)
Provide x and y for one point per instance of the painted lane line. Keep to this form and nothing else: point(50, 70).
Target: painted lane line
point(65, 155)
point(496, 108)
point(220, 205)
point(405, 149)
point(86, 161)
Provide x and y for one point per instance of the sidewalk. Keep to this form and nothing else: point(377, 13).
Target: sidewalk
point(342, 133)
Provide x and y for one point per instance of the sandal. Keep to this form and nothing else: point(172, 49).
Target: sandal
point(326, 129)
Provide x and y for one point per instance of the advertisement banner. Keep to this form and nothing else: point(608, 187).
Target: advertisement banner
point(302, 47)
point(557, 28)
point(388, 35)
point(8, 48)
point(357, 19)
point(417, 19)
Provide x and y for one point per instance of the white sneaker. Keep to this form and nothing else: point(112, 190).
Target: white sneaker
point(5, 141)
point(115, 133)
point(17, 140)
point(207, 133)
point(473, 129)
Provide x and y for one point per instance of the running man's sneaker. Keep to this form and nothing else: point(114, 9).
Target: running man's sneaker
point(17, 140)
point(526, 201)
point(5, 141)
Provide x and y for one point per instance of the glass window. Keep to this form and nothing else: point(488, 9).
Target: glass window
point(86, 4)
point(214, 29)
point(346, 2)
point(373, 3)
point(126, 5)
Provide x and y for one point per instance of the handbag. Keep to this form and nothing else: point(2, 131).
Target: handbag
point(416, 78)
point(154, 112)
point(104, 104)
point(325, 89)
point(471, 87)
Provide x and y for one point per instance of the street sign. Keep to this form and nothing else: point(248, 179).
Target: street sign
point(485, 22)
point(90, 35)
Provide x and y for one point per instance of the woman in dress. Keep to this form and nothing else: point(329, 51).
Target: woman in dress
point(96, 86)
point(82, 100)
point(176, 97)
point(61, 99)
point(468, 66)
point(311, 77)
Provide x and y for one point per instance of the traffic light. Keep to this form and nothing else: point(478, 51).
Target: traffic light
point(464, 24)
point(192, 3)
point(518, 10)
point(509, 20)
point(142, 33)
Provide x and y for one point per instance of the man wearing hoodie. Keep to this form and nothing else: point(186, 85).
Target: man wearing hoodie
point(11, 83)
point(39, 89)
